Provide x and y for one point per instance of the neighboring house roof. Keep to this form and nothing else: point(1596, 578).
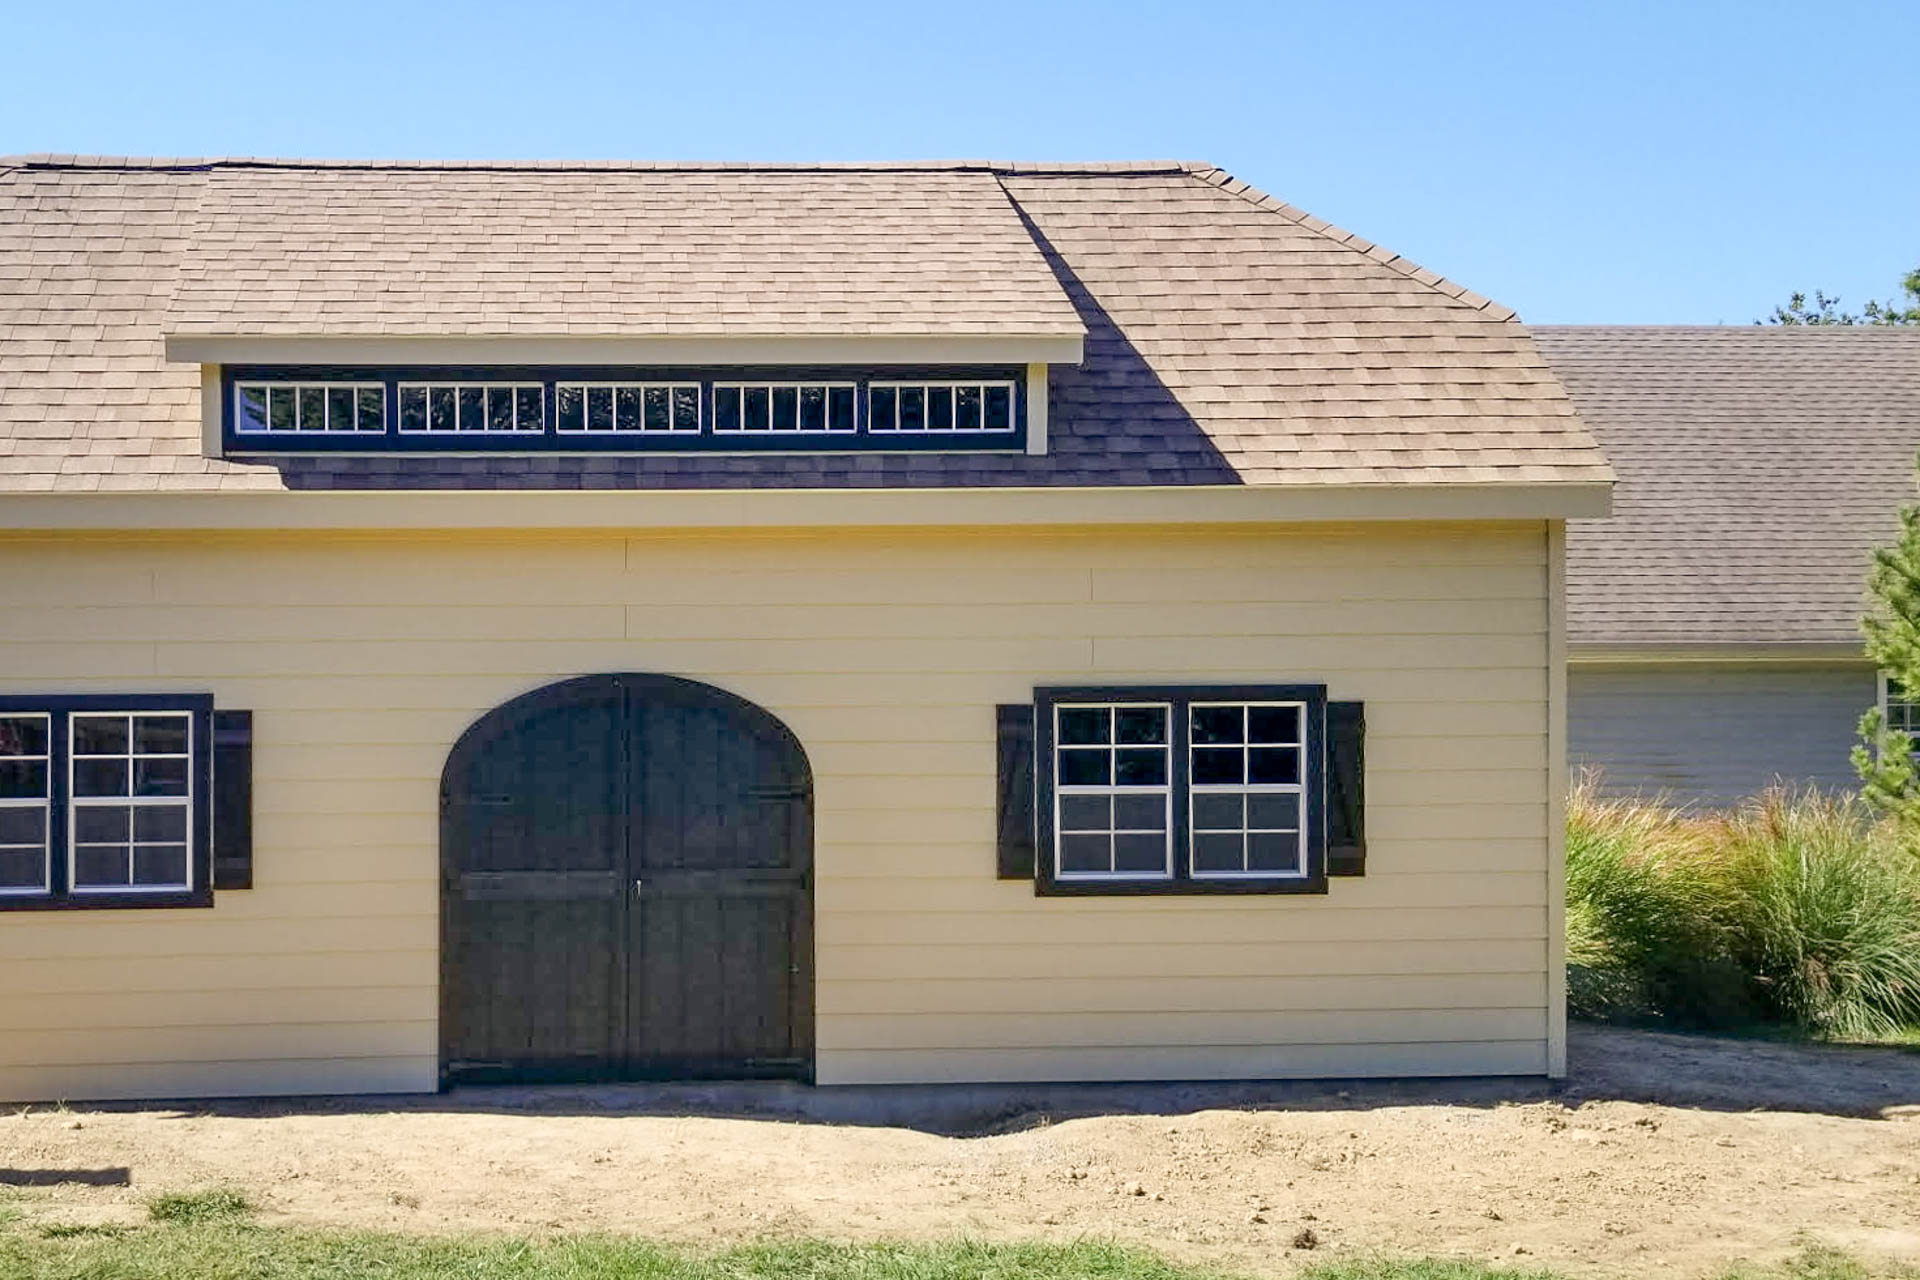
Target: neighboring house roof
point(1230, 339)
point(1758, 466)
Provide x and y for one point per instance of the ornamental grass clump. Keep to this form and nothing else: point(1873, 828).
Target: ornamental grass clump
point(1828, 903)
point(1797, 908)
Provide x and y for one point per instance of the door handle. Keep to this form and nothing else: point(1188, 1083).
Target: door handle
point(636, 887)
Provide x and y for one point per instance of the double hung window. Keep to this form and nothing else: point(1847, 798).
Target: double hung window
point(1206, 789)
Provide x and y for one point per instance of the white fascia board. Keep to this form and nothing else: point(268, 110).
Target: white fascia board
point(850, 349)
point(1825, 652)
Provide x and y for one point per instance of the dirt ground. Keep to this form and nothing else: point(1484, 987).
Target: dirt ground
point(1662, 1155)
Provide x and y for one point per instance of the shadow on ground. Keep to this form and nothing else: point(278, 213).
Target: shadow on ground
point(1607, 1064)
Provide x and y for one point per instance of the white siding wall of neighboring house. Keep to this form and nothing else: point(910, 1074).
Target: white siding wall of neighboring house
point(1712, 733)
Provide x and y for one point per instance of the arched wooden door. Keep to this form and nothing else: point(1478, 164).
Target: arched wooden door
point(626, 888)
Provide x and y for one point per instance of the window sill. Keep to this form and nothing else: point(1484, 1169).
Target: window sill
point(158, 900)
point(1049, 887)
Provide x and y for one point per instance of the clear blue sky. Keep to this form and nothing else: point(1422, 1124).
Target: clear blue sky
point(1605, 162)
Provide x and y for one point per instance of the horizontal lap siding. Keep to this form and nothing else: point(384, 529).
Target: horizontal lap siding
point(363, 659)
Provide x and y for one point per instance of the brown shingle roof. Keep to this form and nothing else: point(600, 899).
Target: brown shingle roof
point(1230, 339)
point(1758, 466)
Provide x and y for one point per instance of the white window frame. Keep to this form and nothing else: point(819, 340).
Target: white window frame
point(269, 389)
point(75, 803)
point(1244, 789)
point(1165, 791)
point(639, 429)
point(512, 391)
point(876, 427)
point(44, 804)
point(783, 433)
point(1907, 707)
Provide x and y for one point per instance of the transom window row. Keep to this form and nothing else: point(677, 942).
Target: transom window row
point(741, 408)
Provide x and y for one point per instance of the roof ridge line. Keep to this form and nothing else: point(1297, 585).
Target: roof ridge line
point(53, 161)
point(1219, 177)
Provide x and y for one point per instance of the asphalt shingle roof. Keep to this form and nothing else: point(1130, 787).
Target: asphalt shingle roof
point(1230, 339)
point(1758, 466)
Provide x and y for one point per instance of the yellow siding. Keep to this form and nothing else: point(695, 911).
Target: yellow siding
point(363, 658)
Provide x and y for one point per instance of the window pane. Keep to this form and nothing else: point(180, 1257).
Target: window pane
point(1140, 853)
point(1085, 853)
point(913, 409)
point(756, 409)
point(1218, 852)
point(373, 409)
point(1216, 724)
point(251, 409)
point(280, 408)
point(726, 408)
point(499, 408)
point(473, 408)
point(102, 823)
point(840, 408)
point(1274, 764)
point(23, 735)
point(881, 405)
point(686, 409)
point(1139, 813)
point(939, 408)
point(441, 400)
point(813, 408)
point(786, 409)
point(164, 823)
point(1273, 812)
point(313, 408)
point(23, 779)
point(1274, 724)
point(100, 735)
point(1216, 766)
point(160, 864)
point(100, 865)
point(999, 409)
point(160, 777)
point(1086, 813)
point(1217, 812)
point(413, 409)
point(1084, 768)
point(527, 409)
point(160, 735)
point(599, 408)
point(23, 868)
point(341, 411)
point(23, 824)
point(1269, 852)
point(1141, 724)
point(656, 412)
point(1140, 768)
point(571, 409)
point(100, 777)
point(1083, 725)
point(966, 410)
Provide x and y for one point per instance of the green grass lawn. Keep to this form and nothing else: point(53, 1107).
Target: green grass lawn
point(211, 1236)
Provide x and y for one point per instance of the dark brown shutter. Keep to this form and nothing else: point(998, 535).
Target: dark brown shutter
point(1016, 791)
point(1346, 789)
point(233, 800)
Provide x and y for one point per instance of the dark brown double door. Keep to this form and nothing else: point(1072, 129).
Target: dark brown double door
point(626, 888)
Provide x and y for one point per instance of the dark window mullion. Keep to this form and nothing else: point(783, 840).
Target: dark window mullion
point(1177, 779)
point(58, 848)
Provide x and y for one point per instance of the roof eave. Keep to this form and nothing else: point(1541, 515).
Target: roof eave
point(1047, 347)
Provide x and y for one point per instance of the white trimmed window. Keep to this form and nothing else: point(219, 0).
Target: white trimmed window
point(131, 789)
point(26, 769)
point(1900, 710)
point(1113, 802)
point(783, 408)
point(655, 408)
point(472, 408)
point(1245, 791)
point(939, 407)
point(309, 408)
